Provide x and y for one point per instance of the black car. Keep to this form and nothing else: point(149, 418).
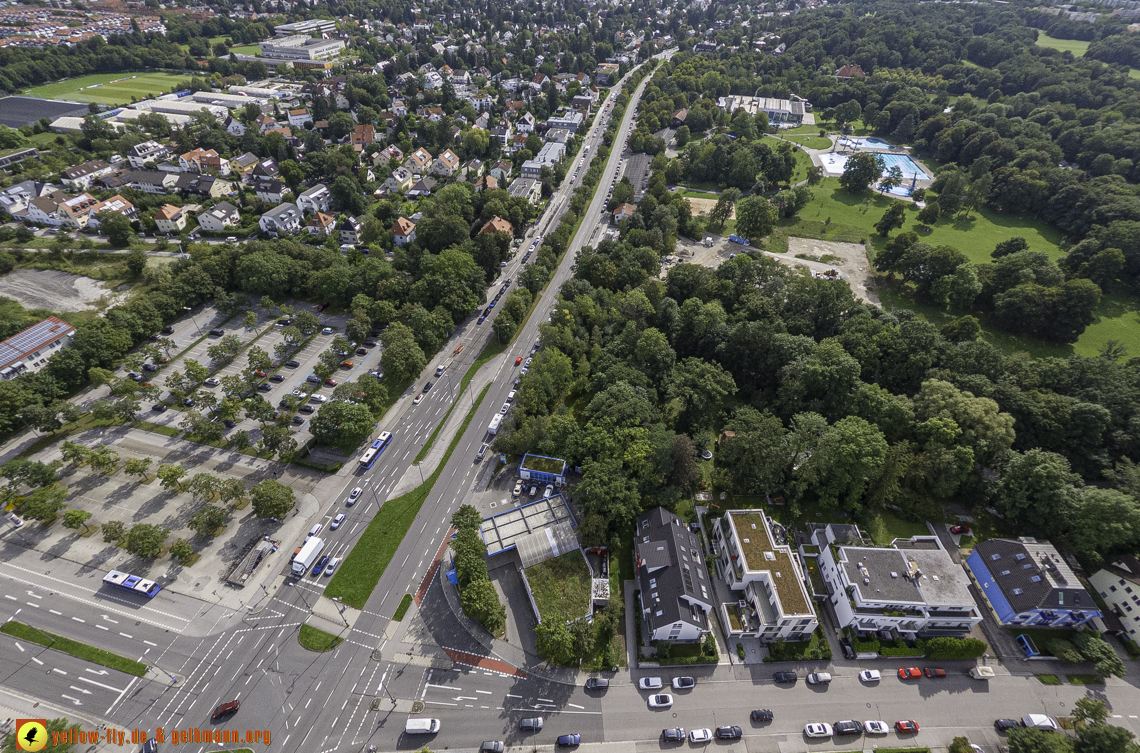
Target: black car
point(188, 402)
point(848, 651)
point(168, 330)
point(597, 683)
point(370, 343)
point(427, 387)
point(491, 746)
point(785, 677)
point(228, 423)
point(729, 732)
point(134, 375)
point(849, 727)
point(673, 735)
point(284, 322)
point(761, 716)
point(313, 379)
point(298, 420)
point(158, 408)
point(361, 352)
point(264, 387)
point(276, 378)
point(1005, 725)
point(150, 367)
point(292, 364)
point(306, 409)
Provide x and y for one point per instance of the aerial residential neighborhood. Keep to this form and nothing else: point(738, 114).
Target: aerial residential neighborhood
point(506, 376)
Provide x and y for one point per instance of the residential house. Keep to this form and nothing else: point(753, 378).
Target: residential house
point(1118, 583)
point(606, 73)
point(422, 187)
point(399, 179)
point(434, 114)
point(76, 212)
point(446, 163)
point(675, 595)
point(44, 210)
point(399, 108)
point(205, 186)
point(849, 72)
point(486, 183)
point(170, 219)
point(913, 589)
point(200, 160)
point(418, 161)
point(525, 123)
point(281, 220)
point(241, 167)
point(220, 217)
point(152, 181)
point(362, 135)
point(502, 132)
point(265, 123)
point(518, 143)
point(321, 224)
point(270, 191)
point(234, 126)
point(266, 168)
point(526, 188)
point(679, 117)
point(502, 170)
point(15, 199)
point(28, 350)
point(350, 230)
point(148, 151)
point(623, 212)
point(497, 225)
point(80, 177)
point(403, 231)
point(1027, 583)
point(388, 154)
point(315, 199)
point(299, 117)
point(471, 169)
point(116, 204)
point(767, 576)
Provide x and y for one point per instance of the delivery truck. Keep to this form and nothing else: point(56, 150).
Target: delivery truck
point(308, 555)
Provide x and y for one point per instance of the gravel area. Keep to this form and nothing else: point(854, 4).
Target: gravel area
point(49, 289)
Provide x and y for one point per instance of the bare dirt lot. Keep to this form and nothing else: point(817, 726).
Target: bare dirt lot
point(702, 207)
point(48, 289)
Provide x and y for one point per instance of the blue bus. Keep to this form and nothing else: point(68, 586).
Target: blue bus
point(377, 448)
point(132, 583)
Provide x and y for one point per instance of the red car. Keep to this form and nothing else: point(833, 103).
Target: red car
point(331, 382)
point(518, 360)
point(259, 373)
point(322, 307)
point(964, 530)
point(933, 672)
point(910, 673)
point(906, 726)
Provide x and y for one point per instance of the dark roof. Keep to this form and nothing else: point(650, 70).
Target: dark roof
point(1030, 577)
point(666, 570)
point(153, 177)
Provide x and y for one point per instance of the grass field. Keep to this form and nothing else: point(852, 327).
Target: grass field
point(1075, 46)
point(246, 49)
point(810, 140)
point(75, 648)
point(138, 85)
point(561, 586)
point(317, 640)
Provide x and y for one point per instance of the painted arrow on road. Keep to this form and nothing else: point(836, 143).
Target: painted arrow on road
point(81, 690)
point(76, 701)
point(100, 672)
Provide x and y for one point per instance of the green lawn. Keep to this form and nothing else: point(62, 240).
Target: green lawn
point(893, 527)
point(811, 141)
point(79, 650)
point(1075, 46)
point(561, 586)
point(246, 49)
point(317, 640)
point(139, 85)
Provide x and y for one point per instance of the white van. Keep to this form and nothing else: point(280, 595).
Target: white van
point(421, 727)
point(1039, 721)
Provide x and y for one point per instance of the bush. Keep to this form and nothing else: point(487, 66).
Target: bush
point(1063, 650)
point(954, 648)
point(817, 648)
point(1096, 649)
point(740, 651)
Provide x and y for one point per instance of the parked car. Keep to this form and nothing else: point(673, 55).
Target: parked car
point(870, 675)
point(313, 379)
point(292, 364)
point(518, 488)
point(158, 408)
point(531, 723)
point(673, 735)
point(910, 673)
point(761, 716)
point(228, 423)
point(818, 729)
point(934, 672)
point(188, 402)
point(277, 378)
point(1005, 725)
point(679, 683)
point(818, 678)
point(596, 683)
point(648, 683)
point(568, 741)
point(785, 677)
point(729, 732)
point(875, 728)
point(318, 398)
point(327, 331)
point(331, 382)
point(298, 420)
point(660, 701)
point(702, 735)
point(964, 530)
point(264, 387)
point(906, 726)
point(211, 382)
point(491, 746)
point(849, 727)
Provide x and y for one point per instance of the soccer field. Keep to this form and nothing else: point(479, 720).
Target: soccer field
point(110, 88)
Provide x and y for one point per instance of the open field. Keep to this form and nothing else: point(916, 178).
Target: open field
point(1075, 46)
point(138, 85)
point(49, 289)
point(810, 140)
point(246, 49)
point(704, 206)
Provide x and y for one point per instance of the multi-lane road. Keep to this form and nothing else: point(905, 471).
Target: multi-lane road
point(207, 653)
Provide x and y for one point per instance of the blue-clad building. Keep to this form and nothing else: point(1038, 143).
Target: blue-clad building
point(1028, 583)
point(543, 470)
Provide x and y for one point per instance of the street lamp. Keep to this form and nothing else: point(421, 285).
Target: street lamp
point(421, 469)
point(26, 425)
point(196, 327)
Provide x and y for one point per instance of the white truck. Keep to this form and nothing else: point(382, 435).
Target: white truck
point(496, 422)
point(308, 555)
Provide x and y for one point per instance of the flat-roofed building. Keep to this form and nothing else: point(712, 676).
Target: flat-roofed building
point(28, 351)
point(777, 110)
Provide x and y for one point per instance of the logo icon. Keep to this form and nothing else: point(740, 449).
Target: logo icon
point(31, 734)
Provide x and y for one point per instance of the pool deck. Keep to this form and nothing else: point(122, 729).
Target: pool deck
point(817, 158)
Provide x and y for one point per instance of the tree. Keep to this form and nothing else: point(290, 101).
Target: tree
point(1097, 650)
point(341, 424)
point(30, 473)
point(1031, 740)
point(271, 499)
point(170, 476)
point(136, 262)
point(43, 504)
point(930, 213)
point(402, 358)
point(696, 389)
point(1089, 711)
point(862, 169)
point(73, 519)
point(113, 531)
point(1039, 492)
point(481, 602)
point(207, 520)
point(1105, 738)
point(145, 540)
point(230, 490)
point(755, 217)
point(74, 453)
point(960, 745)
point(103, 459)
point(181, 550)
point(249, 321)
point(847, 458)
point(1009, 246)
point(117, 227)
point(892, 178)
point(1105, 522)
point(725, 205)
point(755, 456)
point(277, 440)
point(892, 219)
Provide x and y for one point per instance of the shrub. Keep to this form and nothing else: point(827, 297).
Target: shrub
point(1063, 650)
point(955, 648)
point(740, 651)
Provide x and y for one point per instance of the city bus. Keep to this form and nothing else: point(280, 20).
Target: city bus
point(377, 448)
point(132, 583)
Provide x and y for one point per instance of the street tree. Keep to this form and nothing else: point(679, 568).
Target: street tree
point(75, 519)
point(170, 476)
point(181, 550)
point(203, 485)
point(277, 440)
point(402, 358)
point(271, 499)
point(113, 531)
point(75, 453)
point(103, 459)
point(341, 424)
point(145, 540)
point(207, 520)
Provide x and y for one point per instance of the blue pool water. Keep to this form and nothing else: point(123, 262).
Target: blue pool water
point(866, 142)
point(834, 163)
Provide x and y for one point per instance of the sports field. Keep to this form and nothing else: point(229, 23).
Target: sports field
point(111, 88)
point(1075, 46)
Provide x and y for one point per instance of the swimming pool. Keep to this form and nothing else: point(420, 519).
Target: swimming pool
point(864, 142)
point(833, 165)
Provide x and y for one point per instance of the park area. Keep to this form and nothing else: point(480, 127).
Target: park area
point(111, 88)
point(561, 587)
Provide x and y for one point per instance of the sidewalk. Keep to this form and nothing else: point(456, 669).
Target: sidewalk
point(14, 706)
